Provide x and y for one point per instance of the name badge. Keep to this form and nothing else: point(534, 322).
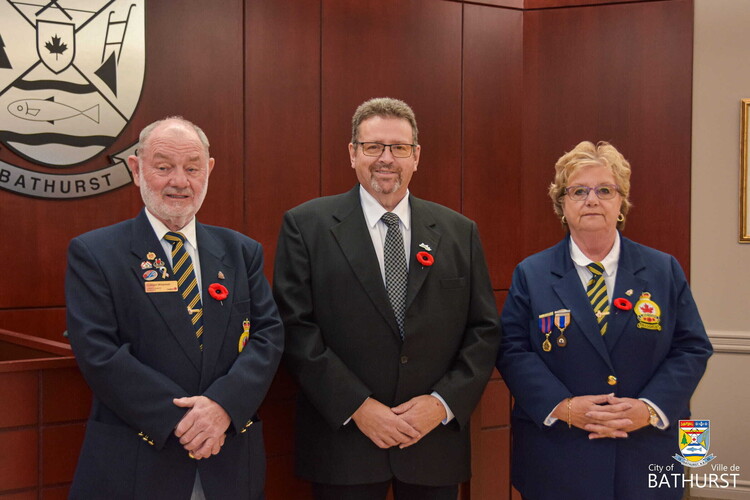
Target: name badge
point(161, 286)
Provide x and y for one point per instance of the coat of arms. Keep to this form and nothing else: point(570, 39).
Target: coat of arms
point(71, 74)
point(694, 441)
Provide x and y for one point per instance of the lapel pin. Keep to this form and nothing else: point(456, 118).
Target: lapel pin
point(425, 259)
point(221, 275)
point(425, 246)
point(146, 265)
point(629, 292)
point(150, 256)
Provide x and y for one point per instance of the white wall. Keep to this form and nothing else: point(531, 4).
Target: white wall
point(720, 266)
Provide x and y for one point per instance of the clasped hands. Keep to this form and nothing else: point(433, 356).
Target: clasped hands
point(202, 430)
point(604, 415)
point(403, 425)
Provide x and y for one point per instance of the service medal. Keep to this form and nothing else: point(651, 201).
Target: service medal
point(245, 335)
point(545, 326)
point(562, 320)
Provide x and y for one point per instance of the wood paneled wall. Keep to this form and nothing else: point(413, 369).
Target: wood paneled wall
point(500, 88)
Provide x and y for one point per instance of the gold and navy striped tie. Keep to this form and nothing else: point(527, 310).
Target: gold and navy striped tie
point(182, 270)
point(597, 293)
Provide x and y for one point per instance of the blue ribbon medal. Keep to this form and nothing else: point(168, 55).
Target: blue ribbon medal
point(562, 320)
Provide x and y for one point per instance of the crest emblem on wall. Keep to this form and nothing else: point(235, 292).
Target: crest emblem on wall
point(71, 75)
point(694, 440)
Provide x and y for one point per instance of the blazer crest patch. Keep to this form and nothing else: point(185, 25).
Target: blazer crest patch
point(648, 312)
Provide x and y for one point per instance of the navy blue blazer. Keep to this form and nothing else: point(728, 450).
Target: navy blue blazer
point(663, 366)
point(138, 351)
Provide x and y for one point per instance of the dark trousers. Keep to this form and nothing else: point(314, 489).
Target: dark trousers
point(378, 491)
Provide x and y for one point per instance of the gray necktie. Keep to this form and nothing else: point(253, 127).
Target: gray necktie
point(395, 268)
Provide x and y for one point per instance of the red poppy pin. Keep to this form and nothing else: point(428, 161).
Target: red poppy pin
point(623, 304)
point(425, 258)
point(218, 291)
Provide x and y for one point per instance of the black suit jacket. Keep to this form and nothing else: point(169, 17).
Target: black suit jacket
point(343, 343)
point(138, 351)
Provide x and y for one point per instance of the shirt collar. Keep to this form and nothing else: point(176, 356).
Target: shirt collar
point(374, 210)
point(160, 229)
point(609, 262)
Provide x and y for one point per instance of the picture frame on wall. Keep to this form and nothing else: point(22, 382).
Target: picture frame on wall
point(744, 173)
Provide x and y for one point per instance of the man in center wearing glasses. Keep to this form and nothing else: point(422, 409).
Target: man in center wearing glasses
point(391, 325)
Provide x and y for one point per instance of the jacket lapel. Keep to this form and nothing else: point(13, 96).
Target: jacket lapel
point(567, 286)
point(215, 313)
point(629, 265)
point(354, 240)
point(423, 231)
point(169, 305)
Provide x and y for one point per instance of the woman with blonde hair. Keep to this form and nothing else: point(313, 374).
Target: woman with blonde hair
point(603, 347)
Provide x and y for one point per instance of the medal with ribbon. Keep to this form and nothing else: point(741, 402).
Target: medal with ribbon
point(562, 320)
point(545, 326)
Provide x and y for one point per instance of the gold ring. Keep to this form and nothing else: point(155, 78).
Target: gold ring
point(190, 454)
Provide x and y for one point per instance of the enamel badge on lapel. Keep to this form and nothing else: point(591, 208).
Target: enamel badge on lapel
point(245, 335)
point(562, 320)
point(545, 326)
point(220, 275)
point(425, 258)
point(648, 313)
point(152, 267)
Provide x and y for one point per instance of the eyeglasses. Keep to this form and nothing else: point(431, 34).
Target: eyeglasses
point(602, 191)
point(377, 148)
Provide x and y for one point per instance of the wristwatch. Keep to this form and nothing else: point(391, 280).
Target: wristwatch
point(653, 417)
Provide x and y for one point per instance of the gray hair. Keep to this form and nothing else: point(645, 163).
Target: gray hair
point(385, 107)
point(148, 129)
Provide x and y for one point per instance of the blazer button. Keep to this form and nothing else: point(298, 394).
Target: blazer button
point(404, 360)
point(612, 380)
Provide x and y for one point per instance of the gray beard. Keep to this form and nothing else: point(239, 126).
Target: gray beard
point(376, 187)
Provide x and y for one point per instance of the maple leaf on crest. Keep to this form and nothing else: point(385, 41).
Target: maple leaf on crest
point(647, 308)
point(56, 47)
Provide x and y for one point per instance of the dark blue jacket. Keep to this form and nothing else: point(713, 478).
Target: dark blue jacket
point(138, 351)
point(662, 365)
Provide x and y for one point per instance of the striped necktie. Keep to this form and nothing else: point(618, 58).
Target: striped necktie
point(182, 269)
point(597, 293)
point(396, 275)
